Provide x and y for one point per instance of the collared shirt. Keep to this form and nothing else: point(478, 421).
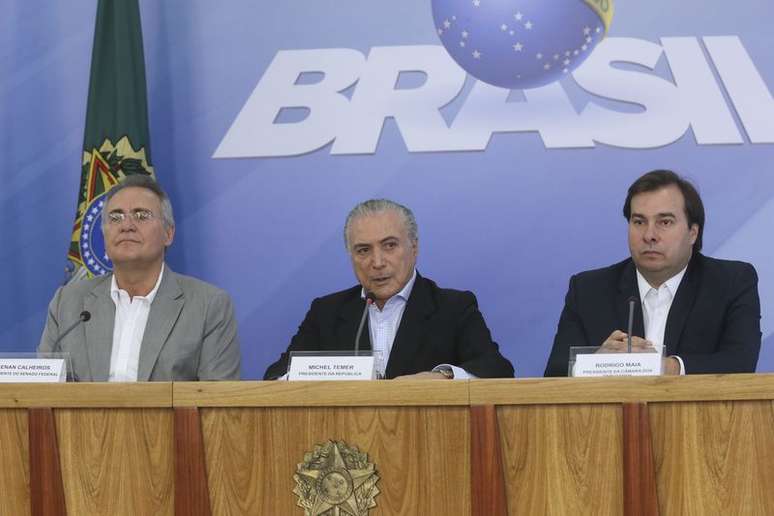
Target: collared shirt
point(128, 330)
point(656, 303)
point(383, 326)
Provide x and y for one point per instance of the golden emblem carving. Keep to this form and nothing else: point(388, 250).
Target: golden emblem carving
point(336, 480)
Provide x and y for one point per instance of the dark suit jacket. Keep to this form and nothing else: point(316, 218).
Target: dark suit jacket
point(713, 324)
point(439, 326)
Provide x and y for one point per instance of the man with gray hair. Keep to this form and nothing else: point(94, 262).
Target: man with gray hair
point(144, 322)
point(422, 331)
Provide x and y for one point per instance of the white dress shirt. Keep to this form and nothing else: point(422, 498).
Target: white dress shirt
point(656, 303)
point(128, 330)
point(383, 326)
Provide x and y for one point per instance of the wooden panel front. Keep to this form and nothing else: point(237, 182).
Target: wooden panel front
point(403, 393)
point(562, 459)
point(117, 461)
point(422, 456)
point(14, 462)
point(639, 389)
point(81, 395)
point(714, 457)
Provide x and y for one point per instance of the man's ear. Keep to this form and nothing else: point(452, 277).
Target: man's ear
point(170, 231)
point(694, 231)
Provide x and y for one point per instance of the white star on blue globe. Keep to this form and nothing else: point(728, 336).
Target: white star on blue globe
point(503, 57)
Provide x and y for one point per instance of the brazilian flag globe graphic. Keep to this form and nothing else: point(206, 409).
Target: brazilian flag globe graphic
point(519, 44)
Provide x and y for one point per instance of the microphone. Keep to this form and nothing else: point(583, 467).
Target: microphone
point(369, 299)
point(632, 301)
point(82, 318)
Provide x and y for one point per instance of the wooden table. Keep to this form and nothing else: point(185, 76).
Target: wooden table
point(690, 445)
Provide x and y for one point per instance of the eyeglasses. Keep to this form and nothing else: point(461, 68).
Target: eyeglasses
point(138, 216)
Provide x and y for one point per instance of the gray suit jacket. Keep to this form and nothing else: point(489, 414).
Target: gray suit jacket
point(191, 333)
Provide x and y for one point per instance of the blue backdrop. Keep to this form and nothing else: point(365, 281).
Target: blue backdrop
point(260, 197)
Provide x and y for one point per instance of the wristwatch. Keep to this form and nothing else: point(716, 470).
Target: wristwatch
point(446, 371)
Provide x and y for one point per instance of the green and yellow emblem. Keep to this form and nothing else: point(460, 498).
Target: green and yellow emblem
point(101, 169)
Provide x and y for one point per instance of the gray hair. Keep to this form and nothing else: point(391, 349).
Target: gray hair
point(147, 182)
point(374, 206)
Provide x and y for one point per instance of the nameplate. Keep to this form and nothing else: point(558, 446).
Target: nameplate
point(617, 364)
point(331, 368)
point(23, 370)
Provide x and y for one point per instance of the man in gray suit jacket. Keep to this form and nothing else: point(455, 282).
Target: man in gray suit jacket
point(145, 321)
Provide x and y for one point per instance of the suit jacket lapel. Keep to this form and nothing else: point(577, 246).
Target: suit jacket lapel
point(627, 287)
point(99, 331)
point(164, 312)
point(349, 320)
point(681, 307)
point(419, 307)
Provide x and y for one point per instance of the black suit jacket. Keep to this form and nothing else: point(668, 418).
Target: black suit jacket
point(439, 326)
point(713, 324)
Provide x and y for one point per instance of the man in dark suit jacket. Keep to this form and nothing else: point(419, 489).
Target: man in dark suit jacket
point(423, 330)
point(709, 317)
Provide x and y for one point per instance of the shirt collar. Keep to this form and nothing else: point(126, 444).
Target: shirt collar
point(671, 284)
point(404, 293)
point(114, 290)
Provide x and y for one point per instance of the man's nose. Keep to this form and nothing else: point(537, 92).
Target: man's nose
point(378, 259)
point(650, 234)
point(128, 224)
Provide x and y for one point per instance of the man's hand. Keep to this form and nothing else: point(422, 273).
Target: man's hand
point(670, 366)
point(426, 375)
point(617, 343)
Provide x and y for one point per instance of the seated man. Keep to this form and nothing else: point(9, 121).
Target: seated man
point(146, 322)
point(422, 330)
point(704, 311)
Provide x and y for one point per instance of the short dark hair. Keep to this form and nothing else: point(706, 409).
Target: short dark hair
point(658, 179)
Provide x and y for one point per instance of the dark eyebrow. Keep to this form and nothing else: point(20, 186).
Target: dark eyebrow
point(662, 215)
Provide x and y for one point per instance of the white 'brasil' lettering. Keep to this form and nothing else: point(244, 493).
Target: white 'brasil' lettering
point(666, 107)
